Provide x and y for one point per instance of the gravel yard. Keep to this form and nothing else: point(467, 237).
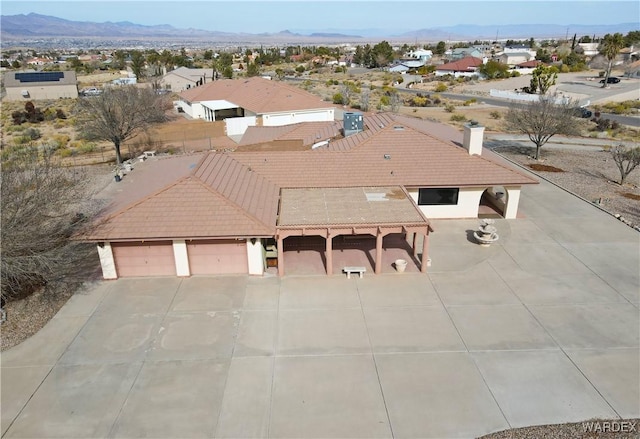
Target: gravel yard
point(589, 173)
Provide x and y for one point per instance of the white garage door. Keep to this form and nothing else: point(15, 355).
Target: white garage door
point(218, 257)
point(144, 259)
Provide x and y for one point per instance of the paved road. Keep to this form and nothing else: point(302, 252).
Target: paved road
point(539, 328)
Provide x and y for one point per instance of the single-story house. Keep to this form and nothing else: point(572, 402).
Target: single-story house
point(33, 86)
point(405, 65)
point(463, 52)
point(184, 78)
point(421, 54)
point(514, 58)
point(253, 101)
point(240, 212)
point(465, 67)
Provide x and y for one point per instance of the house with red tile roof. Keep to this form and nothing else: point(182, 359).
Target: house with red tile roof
point(253, 101)
point(382, 177)
point(467, 66)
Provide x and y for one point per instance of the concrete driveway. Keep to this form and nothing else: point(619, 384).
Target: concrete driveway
point(540, 328)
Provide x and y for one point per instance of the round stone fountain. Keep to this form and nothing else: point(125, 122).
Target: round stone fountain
point(486, 233)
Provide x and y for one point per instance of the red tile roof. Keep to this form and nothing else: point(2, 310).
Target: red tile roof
point(308, 132)
point(466, 64)
point(256, 94)
point(238, 193)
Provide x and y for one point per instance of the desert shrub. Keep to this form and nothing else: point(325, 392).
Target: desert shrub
point(87, 147)
point(564, 69)
point(64, 152)
point(441, 87)
point(495, 114)
point(449, 108)
point(60, 140)
point(338, 98)
point(515, 74)
point(32, 133)
point(22, 140)
point(458, 117)
point(470, 101)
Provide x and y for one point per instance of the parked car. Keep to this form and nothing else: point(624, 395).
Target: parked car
point(582, 112)
point(611, 80)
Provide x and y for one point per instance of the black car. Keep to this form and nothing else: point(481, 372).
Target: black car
point(582, 112)
point(611, 80)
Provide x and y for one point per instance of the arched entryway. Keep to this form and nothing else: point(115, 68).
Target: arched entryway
point(493, 202)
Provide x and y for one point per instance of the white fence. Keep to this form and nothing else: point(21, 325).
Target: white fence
point(517, 96)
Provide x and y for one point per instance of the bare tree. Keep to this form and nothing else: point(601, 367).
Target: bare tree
point(626, 159)
point(43, 206)
point(120, 113)
point(395, 102)
point(540, 120)
point(364, 99)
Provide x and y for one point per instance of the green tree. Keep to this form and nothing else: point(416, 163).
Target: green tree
point(611, 45)
point(441, 48)
point(382, 54)
point(540, 120)
point(543, 78)
point(138, 63)
point(120, 113)
point(253, 69)
point(494, 69)
point(227, 72)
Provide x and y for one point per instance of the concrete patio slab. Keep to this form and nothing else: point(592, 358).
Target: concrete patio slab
point(526, 231)
point(478, 285)
point(140, 296)
point(607, 325)
point(174, 399)
point(406, 289)
point(18, 385)
point(219, 293)
point(437, 395)
point(342, 400)
point(621, 389)
point(47, 346)
point(507, 327)
point(195, 336)
point(85, 301)
point(76, 402)
point(246, 405)
point(257, 334)
point(110, 338)
point(545, 259)
point(423, 329)
point(534, 289)
point(334, 292)
point(262, 293)
point(315, 332)
point(540, 387)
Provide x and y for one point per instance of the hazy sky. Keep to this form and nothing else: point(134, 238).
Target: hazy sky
point(273, 16)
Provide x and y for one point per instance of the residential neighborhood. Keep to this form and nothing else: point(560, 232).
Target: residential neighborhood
point(320, 234)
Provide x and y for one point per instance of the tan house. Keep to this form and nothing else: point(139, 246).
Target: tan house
point(184, 78)
point(33, 86)
point(240, 212)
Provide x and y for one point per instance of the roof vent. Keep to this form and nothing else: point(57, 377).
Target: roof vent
point(387, 156)
point(398, 128)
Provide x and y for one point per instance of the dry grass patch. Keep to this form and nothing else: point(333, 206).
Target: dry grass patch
point(630, 196)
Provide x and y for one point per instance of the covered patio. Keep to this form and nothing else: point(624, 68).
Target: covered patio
point(332, 228)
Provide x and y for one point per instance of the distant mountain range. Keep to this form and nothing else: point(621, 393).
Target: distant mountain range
point(16, 28)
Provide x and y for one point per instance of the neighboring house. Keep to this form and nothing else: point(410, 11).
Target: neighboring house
point(632, 70)
point(254, 101)
point(421, 54)
point(33, 86)
point(629, 54)
point(184, 78)
point(514, 58)
point(463, 52)
point(588, 49)
point(405, 65)
point(465, 67)
point(526, 68)
point(520, 48)
point(239, 212)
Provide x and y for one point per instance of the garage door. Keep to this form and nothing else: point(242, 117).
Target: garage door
point(144, 259)
point(218, 257)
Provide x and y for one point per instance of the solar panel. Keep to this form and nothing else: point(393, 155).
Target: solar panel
point(39, 76)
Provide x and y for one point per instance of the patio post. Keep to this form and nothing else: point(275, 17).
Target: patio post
point(379, 237)
point(329, 253)
point(280, 256)
point(415, 244)
point(425, 252)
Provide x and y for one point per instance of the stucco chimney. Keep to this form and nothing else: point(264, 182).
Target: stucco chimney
point(472, 139)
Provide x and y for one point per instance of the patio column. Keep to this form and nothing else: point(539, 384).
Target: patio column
point(280, 256)
point(329, 253)
point(378, 268)
point(425, 253)
point(415, 244)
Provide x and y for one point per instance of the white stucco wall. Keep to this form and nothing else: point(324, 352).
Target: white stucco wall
point(255, 257)
point(289, 117)
point(181, 257)
point(107, 262)
point(513, 200)
point(238, 125)
point(467, 207)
